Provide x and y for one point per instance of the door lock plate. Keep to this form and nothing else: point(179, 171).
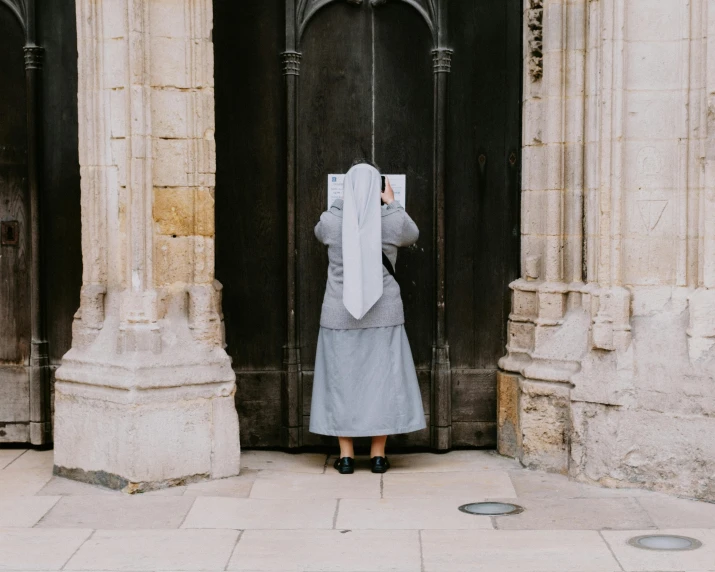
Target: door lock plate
point(9, 233)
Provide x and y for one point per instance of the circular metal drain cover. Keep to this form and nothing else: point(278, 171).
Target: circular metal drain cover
point(665, 542)
point(491, 508)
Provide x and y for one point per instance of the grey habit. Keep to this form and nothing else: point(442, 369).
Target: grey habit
point(365, 382)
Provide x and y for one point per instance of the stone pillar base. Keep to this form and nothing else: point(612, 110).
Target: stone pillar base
point(139, 421)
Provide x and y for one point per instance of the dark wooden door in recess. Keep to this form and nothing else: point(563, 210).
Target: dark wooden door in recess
point(429, 88)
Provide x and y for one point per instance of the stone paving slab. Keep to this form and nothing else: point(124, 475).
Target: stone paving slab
point(278, 461)
point(284, 485)
point(465, 486)
point(32, 549)
point(215, 512)
point(326, 550)
point(515, 551)
point(529, 483)
point(24, 512)
point(671, 512)
point(452, 461)
point(33, 460)
point(153, 550)
point(21, 482)
point(7, 456)
point(634, 559)
point(237, 487)
point(117, 512)
point(576, 514)
point(409, 514)
point(66, 487)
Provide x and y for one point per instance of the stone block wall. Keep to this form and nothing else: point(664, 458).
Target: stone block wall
point(611, 336)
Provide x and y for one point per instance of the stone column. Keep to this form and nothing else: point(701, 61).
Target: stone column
point(145, 397)
point(545, 340)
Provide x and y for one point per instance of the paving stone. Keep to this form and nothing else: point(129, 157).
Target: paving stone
point(576, 514)
point(33, 460)
point(139, 550)
point(313, 550)
point(115, 512)
point(278, 461)
point(464, 486)
point(238, 487)
point(33, 549)
point(634, 559)
point(214, 512)
point(69, 487)
point(7, 456)
point(418, 513)
point(17, 482)
point(285, 485)
point(671, 512)
point(452, 461)
point(515, 551)
point(551, 485)
point(24, 511)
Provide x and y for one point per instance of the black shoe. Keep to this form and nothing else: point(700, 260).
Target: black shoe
point(379, 464)
point(344, 465)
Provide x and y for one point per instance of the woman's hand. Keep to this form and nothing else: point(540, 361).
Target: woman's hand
point(388, 195)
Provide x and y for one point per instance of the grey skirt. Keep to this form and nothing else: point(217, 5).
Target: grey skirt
point(365, 384)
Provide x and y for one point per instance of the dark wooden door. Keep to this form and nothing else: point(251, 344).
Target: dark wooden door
point(302, 88)
point(40, 250)
point(14, 247)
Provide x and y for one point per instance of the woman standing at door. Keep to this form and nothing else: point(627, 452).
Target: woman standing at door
point(365, 384)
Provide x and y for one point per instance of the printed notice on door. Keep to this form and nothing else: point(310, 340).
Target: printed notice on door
point(398, 182)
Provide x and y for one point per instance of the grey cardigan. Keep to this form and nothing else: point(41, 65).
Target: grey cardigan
point(398, 229)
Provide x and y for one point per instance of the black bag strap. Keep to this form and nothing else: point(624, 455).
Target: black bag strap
point(387, 264)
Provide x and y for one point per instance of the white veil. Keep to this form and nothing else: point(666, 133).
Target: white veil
point(362, 239)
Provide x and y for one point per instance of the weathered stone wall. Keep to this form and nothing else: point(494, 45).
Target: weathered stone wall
point(145, 398)
point(612, 332)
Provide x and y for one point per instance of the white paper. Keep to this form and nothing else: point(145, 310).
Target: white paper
point(398, 182)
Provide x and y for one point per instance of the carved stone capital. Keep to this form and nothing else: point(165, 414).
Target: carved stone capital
point(442, 60)
point(291, 62)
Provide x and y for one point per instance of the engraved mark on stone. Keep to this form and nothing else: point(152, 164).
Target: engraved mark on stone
point(651, 212)
point(649, 161)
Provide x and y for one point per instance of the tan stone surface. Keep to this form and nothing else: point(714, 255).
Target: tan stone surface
point(118, 512)
point(515, 551)
point(33, 549)
point(237, 487)
point(24, 511)
point(7, 456)
point(460, 487)
point(15, 482)
point(453, 461)
point(408, 514)
point(638, 560)
point(276, 550)
point(278, 461)
point(214, 512)
point(138, 550)
point(184, 211)
point(279, 485)
point(576, 514)
point(66, 487)
point(671, 512)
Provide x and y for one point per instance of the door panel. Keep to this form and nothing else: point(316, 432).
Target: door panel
point(366, 88)
point(14, 258)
